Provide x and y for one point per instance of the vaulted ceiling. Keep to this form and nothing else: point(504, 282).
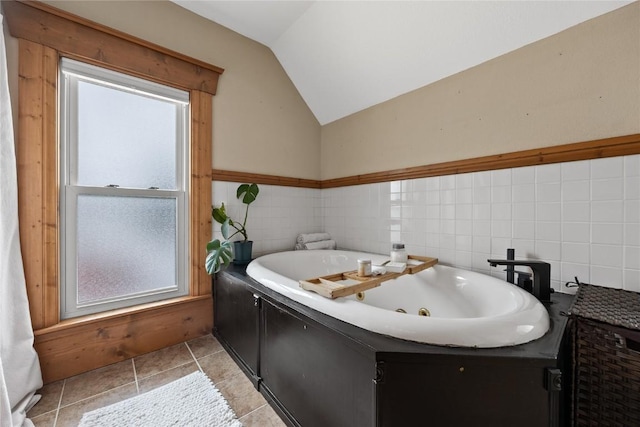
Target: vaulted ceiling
point(345, 56)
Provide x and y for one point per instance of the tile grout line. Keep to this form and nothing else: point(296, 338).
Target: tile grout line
point(251, 412)
point(96, 395)
point(194, 357)
point(135, 375)
point(55, 420)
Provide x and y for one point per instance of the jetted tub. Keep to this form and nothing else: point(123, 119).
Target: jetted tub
point(467, 309)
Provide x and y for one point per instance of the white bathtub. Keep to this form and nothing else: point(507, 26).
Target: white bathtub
point(467, 309)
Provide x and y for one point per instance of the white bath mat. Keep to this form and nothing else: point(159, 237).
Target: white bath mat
point(189, 401)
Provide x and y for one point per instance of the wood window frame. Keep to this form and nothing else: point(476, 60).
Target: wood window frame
point(72, 346)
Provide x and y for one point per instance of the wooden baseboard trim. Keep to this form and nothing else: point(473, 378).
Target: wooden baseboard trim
point(607, 147)
point(79, 345)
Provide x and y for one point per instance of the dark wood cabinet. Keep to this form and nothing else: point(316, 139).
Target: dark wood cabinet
point(316, 370)
point(464, 391)
point(236, 318)
point(322, 379)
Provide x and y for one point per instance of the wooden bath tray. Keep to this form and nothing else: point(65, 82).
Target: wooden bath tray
point(329, 286)
point(418, 263)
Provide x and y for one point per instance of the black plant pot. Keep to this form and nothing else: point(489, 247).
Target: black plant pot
point(242, 252)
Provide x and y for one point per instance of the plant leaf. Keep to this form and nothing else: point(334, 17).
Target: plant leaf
point(250, 192)
point(219, 214)
point(213, 245)
point(225, 228)
point(226, 257)
point(211, 263)
point(220, 254)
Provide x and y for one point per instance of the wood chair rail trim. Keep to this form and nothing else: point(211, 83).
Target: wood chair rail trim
point(595, 149)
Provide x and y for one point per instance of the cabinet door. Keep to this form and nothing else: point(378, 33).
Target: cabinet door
point(320, 377)
point(463, 391)
point(236, 319)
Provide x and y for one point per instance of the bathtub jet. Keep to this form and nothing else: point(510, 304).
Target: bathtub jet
point(465, 308)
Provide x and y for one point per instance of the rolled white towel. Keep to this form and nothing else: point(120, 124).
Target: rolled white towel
point(312, 237)
point(324, 244)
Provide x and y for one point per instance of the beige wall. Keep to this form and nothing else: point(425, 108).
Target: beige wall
point(581, 84)
point(261, 123)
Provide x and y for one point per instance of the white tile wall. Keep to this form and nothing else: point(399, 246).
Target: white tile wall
point(582, 217)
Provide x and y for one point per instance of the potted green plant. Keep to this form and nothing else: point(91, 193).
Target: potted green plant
point(219, 252)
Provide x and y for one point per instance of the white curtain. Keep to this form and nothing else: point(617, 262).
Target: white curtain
point(20, 374)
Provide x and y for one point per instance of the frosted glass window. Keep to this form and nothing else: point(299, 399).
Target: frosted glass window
point(123, 195)
point(125, 138)
point(120, 241)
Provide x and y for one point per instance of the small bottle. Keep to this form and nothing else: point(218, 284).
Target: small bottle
point(364, 267)
point(398, 253)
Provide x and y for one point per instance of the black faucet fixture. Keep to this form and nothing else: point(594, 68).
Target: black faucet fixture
point(541, 275)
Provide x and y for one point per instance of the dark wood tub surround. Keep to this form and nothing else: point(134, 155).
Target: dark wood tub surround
point(600, 148)
point(320, 371)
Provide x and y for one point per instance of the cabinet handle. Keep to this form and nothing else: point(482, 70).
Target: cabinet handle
point(380, 371)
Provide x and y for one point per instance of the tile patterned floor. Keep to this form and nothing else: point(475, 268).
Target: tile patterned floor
point(63, 402)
